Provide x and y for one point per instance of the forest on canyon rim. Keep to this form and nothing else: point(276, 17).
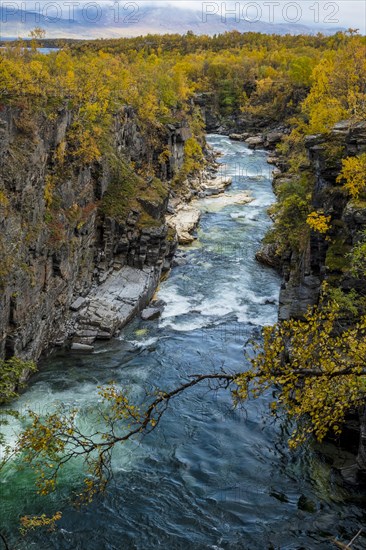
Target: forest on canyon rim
point(306, 85)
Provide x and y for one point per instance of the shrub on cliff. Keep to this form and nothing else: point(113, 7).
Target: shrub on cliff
point(353, 175)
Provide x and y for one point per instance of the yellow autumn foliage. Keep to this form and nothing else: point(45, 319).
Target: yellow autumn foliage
point(353, 175)
point(318, 222)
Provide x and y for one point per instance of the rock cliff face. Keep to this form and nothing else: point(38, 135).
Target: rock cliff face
point(326, 259)
point(236, 123)
point(325, 256)
point(56, 242)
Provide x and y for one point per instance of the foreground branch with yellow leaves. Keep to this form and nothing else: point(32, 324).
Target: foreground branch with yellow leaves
point(319, 368)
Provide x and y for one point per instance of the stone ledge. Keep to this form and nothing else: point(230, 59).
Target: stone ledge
point(112, 305)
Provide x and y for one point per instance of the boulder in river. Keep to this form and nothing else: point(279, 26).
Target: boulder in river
point(185, 222)
point(78, 346)
point(113, 304)
point(216, 185)
point(214, 204)
point(150, 313)
point(255, 141)
point(239, 137)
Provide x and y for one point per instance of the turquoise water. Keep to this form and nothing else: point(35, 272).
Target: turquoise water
point(210, 476)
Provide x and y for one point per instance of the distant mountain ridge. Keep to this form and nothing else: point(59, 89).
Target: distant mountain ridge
point(137, 20)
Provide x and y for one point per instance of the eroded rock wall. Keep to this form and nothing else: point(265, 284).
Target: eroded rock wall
point(53, 253)
point(326, 255)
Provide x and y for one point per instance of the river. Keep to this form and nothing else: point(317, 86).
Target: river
point(210, 476)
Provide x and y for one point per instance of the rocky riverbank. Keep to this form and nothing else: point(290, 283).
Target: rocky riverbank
point(125, 291)
point(184, 214)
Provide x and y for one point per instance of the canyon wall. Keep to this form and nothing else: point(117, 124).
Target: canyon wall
point(59, 239)
point(326, 256)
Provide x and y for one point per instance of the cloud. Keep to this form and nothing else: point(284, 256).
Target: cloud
point(320, 14)
point(342, 13)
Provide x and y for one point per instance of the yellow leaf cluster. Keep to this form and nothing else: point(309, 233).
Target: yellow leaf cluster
point(29, 523)
point(319, 370)
point(318, 222)
point(353, 174)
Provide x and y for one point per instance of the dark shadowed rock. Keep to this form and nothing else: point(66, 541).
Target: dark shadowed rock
point(272, 138)
point(267, 255)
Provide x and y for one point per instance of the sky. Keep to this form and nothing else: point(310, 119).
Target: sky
point(322, 13)
point(341, 13)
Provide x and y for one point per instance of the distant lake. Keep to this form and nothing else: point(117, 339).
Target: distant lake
point(40, 50)
point(47, 50)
